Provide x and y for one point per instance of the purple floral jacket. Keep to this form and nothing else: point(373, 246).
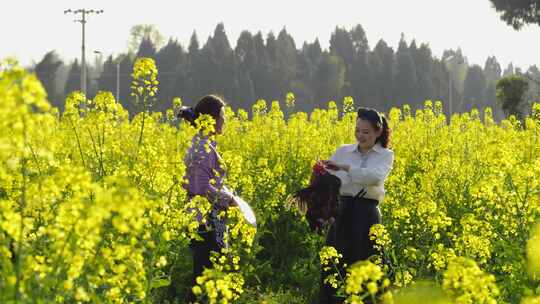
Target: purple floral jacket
point(205, 175)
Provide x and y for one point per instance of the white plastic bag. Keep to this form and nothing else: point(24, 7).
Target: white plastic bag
point(246, 210)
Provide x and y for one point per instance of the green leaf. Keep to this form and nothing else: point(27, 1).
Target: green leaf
point(157, 283)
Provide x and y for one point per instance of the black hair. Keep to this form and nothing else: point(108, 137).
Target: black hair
point(209, 105)
point(378, 121)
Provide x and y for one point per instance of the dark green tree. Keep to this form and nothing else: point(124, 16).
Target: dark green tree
point(341, 44)
point(46, 70)
point(171, 62)
point(224, 65)
point(510, 95)
point(492, 69)
point(193, 48)
point(192, 61)
point(475, 87)
point(492, 72)
point(441, 84)
point(306, 84)
point(264, 81)
point(213, 69)
point(423, 61)
point(73, 82)
point(246, 58)
point(286, 62)
point(384, 74)
point(517, 13)
point(107, 79)
point(313, 51)
point(509, 70)
point(140, 32)
point(146, 48)
point(376, 84)
point(126, 68)
point(533, 77)
point(406, 78)
point(329, 77)
point(360, 75)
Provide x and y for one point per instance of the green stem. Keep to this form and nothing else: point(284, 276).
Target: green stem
point(35, 158)
point(142, 124)
point(78, 141)
point(94, 147)
point(339, 273)
point(22, 207)
point(102, 144)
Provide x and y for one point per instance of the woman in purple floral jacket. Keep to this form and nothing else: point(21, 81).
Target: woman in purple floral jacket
point(204, 176)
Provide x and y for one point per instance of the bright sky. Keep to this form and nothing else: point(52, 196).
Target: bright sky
point(31, 28)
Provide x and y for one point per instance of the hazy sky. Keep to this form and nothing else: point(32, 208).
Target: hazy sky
point(28, 29)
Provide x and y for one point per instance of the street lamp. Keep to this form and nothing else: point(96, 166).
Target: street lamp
point(446, 60)
point(117, 62)
point(98, 60)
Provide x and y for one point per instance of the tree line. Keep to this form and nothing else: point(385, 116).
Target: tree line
point(268, 66)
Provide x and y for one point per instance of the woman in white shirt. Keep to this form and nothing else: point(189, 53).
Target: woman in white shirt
point(362, 168)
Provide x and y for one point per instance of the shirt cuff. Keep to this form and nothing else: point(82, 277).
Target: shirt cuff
point(342, 175)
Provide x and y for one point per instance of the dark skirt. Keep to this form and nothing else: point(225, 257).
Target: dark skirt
point(201, 251)
point(349, 234)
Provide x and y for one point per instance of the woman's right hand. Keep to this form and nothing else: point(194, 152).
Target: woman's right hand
point(328, 164)
point(233, 203)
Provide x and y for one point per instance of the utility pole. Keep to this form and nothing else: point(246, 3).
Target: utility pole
point(83, 13)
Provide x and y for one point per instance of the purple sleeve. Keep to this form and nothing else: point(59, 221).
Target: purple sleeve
point(201, 175)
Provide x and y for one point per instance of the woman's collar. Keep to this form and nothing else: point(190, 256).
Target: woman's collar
point(377, 148)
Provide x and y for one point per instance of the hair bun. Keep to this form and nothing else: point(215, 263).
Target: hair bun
point(187, 113)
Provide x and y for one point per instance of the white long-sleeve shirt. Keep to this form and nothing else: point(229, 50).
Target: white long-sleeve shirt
point(367, 170)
